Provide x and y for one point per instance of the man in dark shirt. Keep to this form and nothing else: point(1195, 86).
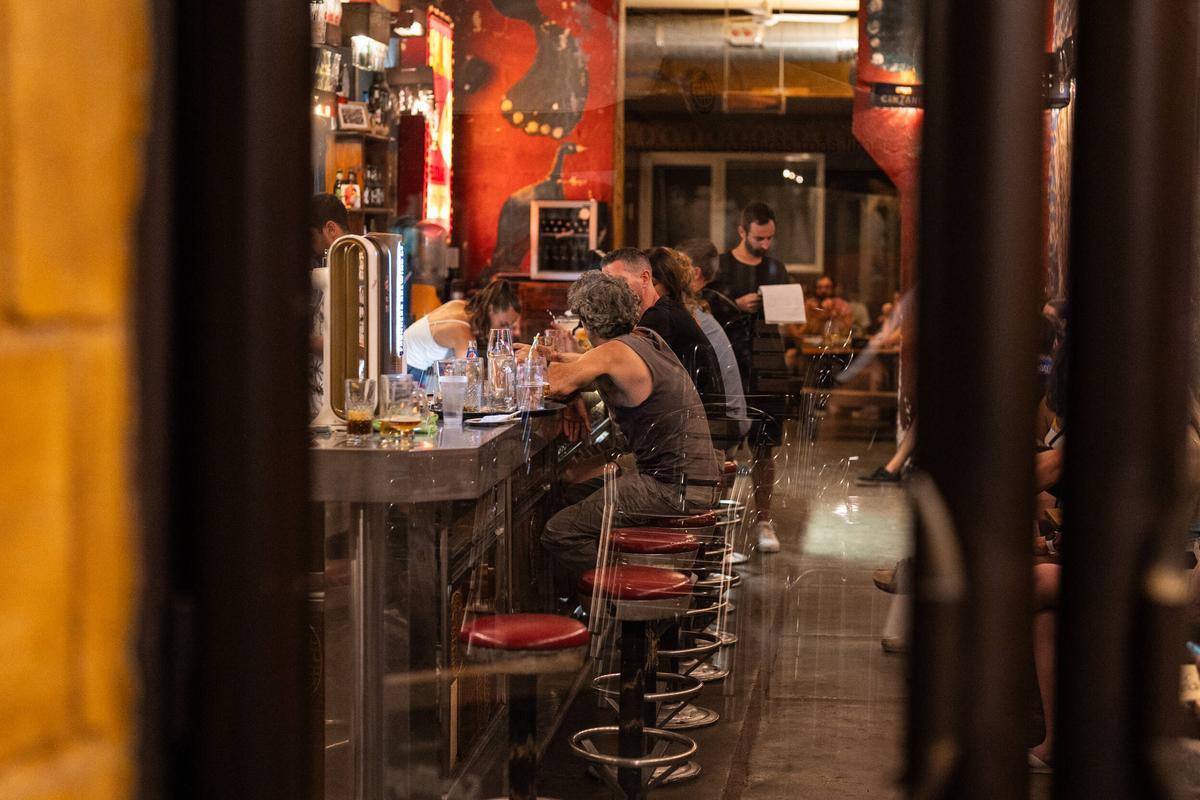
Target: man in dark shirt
point(670, 320)
point(740, 274)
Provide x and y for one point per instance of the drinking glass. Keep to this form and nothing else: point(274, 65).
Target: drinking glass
point(501, 381)
point(401, 409)
point(360, 410)
point(555, 338)
point(499, 339)
point(475, 379)
point(530, 378)
point(454, 392)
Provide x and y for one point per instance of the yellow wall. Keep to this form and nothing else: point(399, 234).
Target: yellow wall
point(72, 108)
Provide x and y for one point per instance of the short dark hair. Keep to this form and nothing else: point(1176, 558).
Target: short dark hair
point(630, 255)
point(323, 208)
point(756, 213)
point(703, 254)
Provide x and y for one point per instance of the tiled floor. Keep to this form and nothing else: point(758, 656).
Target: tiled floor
point(814, 708)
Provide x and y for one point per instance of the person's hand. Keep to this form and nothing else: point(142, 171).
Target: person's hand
point(576, 424)
point(749, 303)
point(827, 304)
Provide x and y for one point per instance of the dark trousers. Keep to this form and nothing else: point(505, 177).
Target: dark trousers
point(573, 533)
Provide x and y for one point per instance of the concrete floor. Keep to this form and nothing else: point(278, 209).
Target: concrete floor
point(814, 708)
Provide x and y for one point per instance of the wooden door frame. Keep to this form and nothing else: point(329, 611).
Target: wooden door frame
point(221, 336)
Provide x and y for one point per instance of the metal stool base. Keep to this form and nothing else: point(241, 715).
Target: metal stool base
point(689, 771)
point(706, 673)
point(688, 718)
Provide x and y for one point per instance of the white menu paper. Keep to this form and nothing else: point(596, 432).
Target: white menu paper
point(783, 303)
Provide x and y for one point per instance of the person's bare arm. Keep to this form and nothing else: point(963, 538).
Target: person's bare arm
point(629, 375)
point(1048, 466)
point(450, 334)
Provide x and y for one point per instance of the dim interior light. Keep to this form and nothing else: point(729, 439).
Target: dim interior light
point(793, 176)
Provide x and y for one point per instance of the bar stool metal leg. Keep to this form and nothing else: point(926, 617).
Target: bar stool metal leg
point(631, 742)
point(522, 737)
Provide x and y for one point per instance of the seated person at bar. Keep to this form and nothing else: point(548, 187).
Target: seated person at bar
point(446, 331)
point(654, 406)
point(676, 277)
point(669, 319)
point(825, 311)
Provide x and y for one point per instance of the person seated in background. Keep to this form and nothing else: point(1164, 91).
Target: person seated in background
point(669, 319)
point(656, 409)
point(859, 316)
point(447, 331)
point(675, 277)
point(825, 312)
point(706, 261)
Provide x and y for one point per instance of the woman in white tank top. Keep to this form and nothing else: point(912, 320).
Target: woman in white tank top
point(446, 331)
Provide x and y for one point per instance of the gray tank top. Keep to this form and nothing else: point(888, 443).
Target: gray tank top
point(668, 433)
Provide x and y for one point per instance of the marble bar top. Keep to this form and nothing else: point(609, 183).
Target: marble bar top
point(450, 465)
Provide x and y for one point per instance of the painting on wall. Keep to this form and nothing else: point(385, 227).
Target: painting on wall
point(536, 83)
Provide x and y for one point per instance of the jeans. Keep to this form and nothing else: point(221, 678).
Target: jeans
point(571, 536)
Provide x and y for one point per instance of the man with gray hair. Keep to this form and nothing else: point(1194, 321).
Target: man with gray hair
point(653, 403)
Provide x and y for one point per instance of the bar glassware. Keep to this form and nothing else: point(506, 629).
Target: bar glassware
point(401, 409)
point(454, 393)
point(530, 379)
point(360, 410)
point(475, 380)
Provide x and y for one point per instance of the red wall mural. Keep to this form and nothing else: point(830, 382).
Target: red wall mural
point(535, 85)
point(889, 53)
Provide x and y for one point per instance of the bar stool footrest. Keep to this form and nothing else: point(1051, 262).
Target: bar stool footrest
point(691, 687)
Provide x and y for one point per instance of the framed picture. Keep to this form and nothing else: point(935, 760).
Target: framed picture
point(353, 117)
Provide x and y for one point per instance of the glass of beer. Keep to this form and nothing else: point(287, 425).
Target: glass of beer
point(401, 410)
point(360, 410)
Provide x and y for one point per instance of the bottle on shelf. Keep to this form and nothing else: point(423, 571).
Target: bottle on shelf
point(338, 180)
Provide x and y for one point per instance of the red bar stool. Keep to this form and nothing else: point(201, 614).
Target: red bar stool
point(673, 548)
point(656, 547)
point(637, 596)
point(711, 589)
point(524, 646)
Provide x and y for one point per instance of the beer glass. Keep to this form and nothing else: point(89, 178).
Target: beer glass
point(401, 409)
point(360, 410)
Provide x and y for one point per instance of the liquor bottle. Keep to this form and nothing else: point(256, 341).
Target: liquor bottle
point(338, 180)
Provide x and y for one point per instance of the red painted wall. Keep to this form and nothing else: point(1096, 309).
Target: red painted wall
point(494, 157)
point(892, 137)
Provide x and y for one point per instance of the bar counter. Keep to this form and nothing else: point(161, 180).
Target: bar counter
point(414, 540)
point(452, 465)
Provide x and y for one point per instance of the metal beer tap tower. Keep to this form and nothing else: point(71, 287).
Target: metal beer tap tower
point(365, 304)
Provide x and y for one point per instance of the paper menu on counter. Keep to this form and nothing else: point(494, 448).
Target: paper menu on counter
point(783, 302)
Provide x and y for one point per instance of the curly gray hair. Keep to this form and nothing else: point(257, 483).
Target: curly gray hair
point(606, 306)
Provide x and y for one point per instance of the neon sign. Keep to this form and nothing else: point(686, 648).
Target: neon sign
point(439, 127)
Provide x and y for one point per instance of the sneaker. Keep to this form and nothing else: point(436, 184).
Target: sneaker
point(880, 475)
point(895, 580)
point(768, 542)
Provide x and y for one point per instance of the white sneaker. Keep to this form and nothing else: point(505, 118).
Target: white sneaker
point(768, 542)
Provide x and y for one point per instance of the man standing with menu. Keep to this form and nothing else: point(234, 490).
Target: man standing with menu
point(740, 274)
